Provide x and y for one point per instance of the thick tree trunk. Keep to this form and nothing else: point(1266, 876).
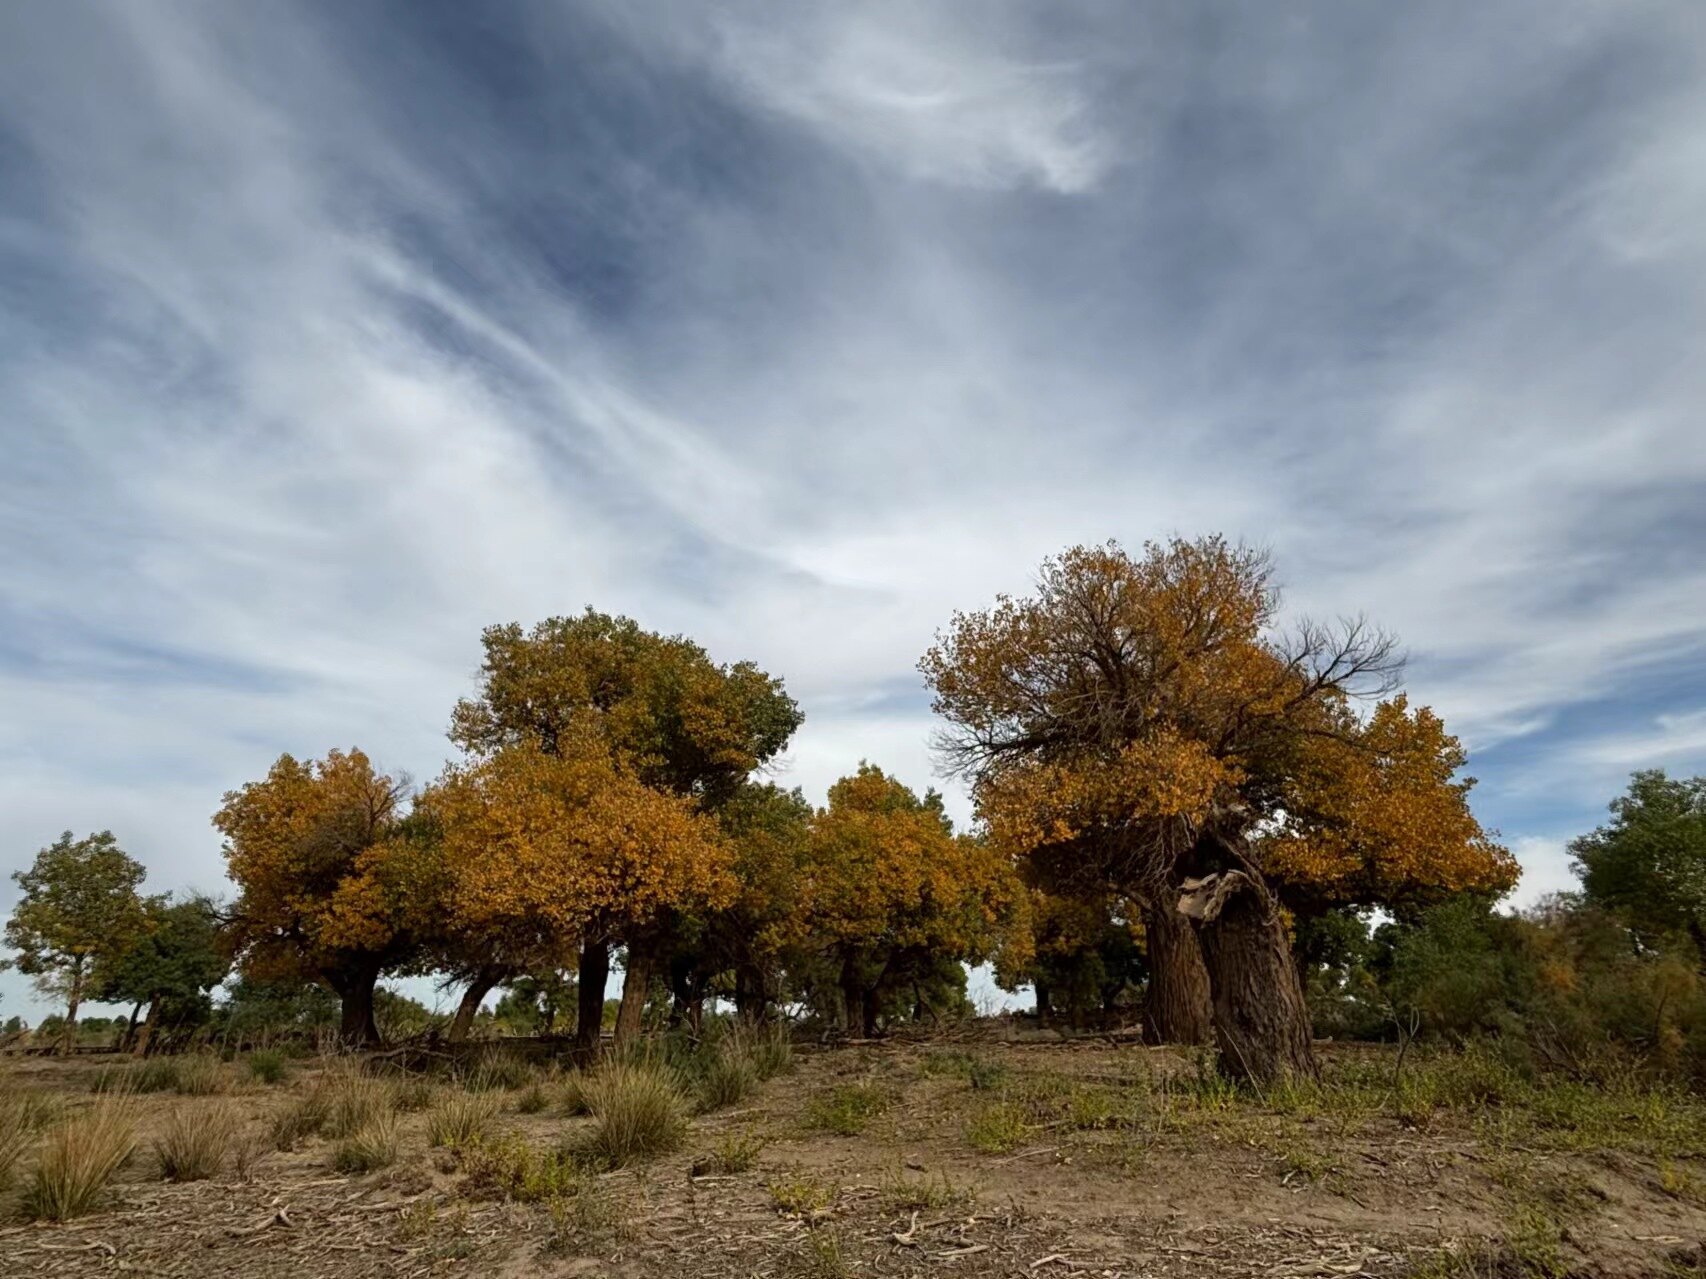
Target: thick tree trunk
point(481, 986)
point(127, 1037)
point(1260, 1019)
point(356, 1026)
point(868, 1011)
point(145, 1036)
point(1178, 1007)
point(589, 997)
point(852, 996)
point(1043, 1009)
point(636, 982)
point(68, 1037)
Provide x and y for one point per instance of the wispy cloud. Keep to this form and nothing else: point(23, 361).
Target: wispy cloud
point(330, 335)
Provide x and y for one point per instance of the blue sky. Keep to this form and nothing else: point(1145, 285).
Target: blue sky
point(330, 334)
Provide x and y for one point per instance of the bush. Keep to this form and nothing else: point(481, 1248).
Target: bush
point(194, 1143)
point(371, 1145)
point(727, 1074)
point(637, 1111)
point(354, 1101)
point(998, 1129)
point(267, 1066)
point(77, 1160)
point(512, 1169)
point(460, 1119)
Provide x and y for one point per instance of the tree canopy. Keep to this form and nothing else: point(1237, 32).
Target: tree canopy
point(1649, 862)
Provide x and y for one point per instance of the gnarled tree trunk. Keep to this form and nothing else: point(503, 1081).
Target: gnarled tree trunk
point(354, 988)
point(1260, 1019)
point(589, 997)
point(478, 988)
point(145, 1035)
point(1178, 1008)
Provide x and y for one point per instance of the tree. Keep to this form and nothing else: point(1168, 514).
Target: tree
point(889, 890)
point(332, 883)
point(79, 907)
point(1648, 864)
point(667, 714)
point(543, 852)
point(1137, 728)
point(1079, 956)
point(176, 958)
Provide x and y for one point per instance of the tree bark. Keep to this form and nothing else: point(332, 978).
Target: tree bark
point(354, 988)
point(1178, 1010)
point(852, 996)
point(589, 997)
point(145, 1035)
point(868, 1010)
point(68, 1037)
point(1043, 1009)
point(1261, 1022)
point(484, 979)
point(636, 982)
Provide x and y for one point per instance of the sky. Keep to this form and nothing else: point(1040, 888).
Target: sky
point(330, 334)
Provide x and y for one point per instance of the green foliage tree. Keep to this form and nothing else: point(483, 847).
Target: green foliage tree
point(79, 907)
point(176, 958)
point(1648, 863)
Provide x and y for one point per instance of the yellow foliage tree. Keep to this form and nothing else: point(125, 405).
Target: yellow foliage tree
point(1137, 727)
point(888, 887)
point(330, 885)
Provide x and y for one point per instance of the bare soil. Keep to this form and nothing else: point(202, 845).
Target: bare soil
point(1096, 1173)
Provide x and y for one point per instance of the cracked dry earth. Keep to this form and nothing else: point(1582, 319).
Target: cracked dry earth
point(1067, 1160)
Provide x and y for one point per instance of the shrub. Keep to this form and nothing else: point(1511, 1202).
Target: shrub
point(847, 1110)
point(997, 1129)
point(532, 1100)
point(733, 1152)
point(637, 1111)
point(200, 1076)
point(460, 1119)
point(371, 1145)
point(266, 1066)
point(800, 1195)
point(354, 1101)
point(193, 1145)
point(77, 1160)
point(512, 1169)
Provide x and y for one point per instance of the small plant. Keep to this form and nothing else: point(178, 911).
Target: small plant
point(247, 1152)
point(370, 1146)
point(573, 1093)
point(587, 1215)
point(801, 1195)
point(200, 1076)
point(267, 1066)
point(770, 1049)
point(354, 1101)
point(412, 1095)
point(77, 1160)
point(906, 1193)
point(637, 1112)
point(821, 1256)
point(997, 1129)
point(461, 1119)
point(732, 1152)
point(512, 1169)
point(305, 1117)
point(846, 1110)
point(194, 1142)
point(532, 1100)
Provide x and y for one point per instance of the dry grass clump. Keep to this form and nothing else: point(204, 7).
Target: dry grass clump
point(195, 1141)
point(22, 1116)
point(156, 1074)
point(371, 1145)
point(200, 1076)
point(461, 1119)
point(77, 1160)
point(728, 1074)
point(267, 1066)
point(637, 1112)
point(302, 1118)
point(354, 1101)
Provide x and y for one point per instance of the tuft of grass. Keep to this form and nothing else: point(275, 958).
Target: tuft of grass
point(305, 1117)
point(821, 1257)
point(770, 1048)
point(799, 1194)
point(510, 1168)
point(731, 1153)
point(532, 1100)
point(727, 1074)
point(354, 1101)
point(461, 1119)
point(586, 1217)
point(983, 1073)
point(248, 1149)
point(156, 1074)
point(267, 1066)
point(637, 1112)
point(998, 1129)
point(77, 1160)
point(572, 1096)
point(497, 1070)
point(371, 1146)
point(201, 1076)
point(906, 1193)
point(845, 1111)
point(194, 1143)
point(409, 1096)
point(22, 1116)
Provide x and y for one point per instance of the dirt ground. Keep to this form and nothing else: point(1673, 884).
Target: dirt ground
point(983, 1157)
